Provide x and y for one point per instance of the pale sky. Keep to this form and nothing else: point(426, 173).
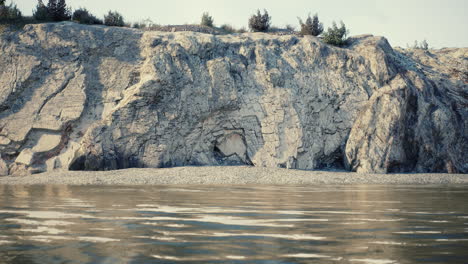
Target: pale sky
point(443, 23)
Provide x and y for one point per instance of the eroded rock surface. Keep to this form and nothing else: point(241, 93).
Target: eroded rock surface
point(98, 98)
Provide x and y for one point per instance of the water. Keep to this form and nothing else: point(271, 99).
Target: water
point(219, 224)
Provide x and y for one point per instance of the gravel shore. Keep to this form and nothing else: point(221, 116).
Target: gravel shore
point(227, 176)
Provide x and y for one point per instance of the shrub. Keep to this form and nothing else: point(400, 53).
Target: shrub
point(423, 45)
point(259, 22)
point(228, 29)
point(207, 20)
point(336, 35)
point(290, 28)
point(58, 11)
point(62, 12)
point(275, 29)
point(144, 24)
point(83, 16)
point(114, 19)
point(138, 25)
point(10, 12)
point(41, 13)
point(312, 26)
point(242, 30)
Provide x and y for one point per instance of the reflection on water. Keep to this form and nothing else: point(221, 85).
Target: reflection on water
point(219, 224)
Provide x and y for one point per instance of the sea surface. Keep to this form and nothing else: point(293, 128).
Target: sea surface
point(234, 224)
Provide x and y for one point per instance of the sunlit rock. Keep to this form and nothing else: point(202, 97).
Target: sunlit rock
point(113, 98)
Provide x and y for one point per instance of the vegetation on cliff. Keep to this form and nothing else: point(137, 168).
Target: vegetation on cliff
point(260, 22)
point(83, 16)
point(58, 10)
point(207, 20)
point(9, 13)
point(312, 26)
point(114, 19)
point(336, 35)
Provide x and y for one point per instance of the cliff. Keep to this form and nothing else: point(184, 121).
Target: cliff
point(75, 97)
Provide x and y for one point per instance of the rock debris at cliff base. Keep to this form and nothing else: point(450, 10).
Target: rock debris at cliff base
point(229, 176)
point(77, 97)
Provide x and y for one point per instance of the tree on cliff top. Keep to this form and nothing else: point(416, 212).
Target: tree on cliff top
point(41, 13)
point(58, 10)
point(336, 35)
point(423, 45)
point(83, 16)
point(114, 19)
point(259, 22)
point(10, 12)
point(63, 13)
point(312, 26)
point(207, 20)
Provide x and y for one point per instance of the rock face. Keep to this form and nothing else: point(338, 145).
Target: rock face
point(76, 97)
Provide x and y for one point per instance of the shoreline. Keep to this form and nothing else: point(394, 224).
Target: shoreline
point(229, 176)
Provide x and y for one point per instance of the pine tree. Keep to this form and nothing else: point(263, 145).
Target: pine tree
point(306, 28)
point(114, 19)
point(317, 27)
point(41, 13)
point(10, 12)
point(3, 10)
point(312, 26)
point(52, 8)
point(62, 12)
point(259, 22)
point(58, 10)
point(424, 45)
point(207, 20)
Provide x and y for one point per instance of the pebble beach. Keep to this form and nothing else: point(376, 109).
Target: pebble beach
point(227, 176)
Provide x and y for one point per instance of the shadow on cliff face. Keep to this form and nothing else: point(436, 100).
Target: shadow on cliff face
point(27, 95)
point(111, 53)
point(438, 140)
point(16, 97)
point(25, 90)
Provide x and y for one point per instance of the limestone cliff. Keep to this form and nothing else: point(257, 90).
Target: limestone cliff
point(99, 98)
